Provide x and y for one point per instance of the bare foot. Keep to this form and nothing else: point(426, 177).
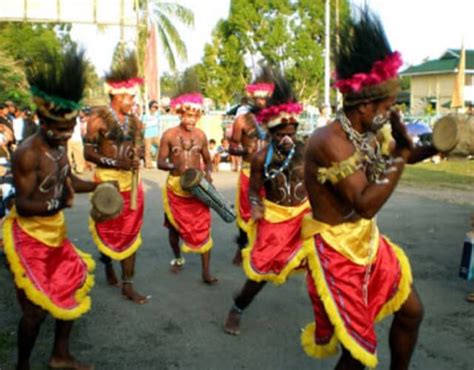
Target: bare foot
point(110, 275)
point(68, 363)
point(209, 279)
point(237, 261)
point(176, 269)
point(232, 323)
point(470, 297)
point(177, 265)
point(130, 293)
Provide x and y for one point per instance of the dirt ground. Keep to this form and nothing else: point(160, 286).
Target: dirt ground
point(181, 328)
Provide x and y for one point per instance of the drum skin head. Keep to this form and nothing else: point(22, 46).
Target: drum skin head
point(107, 201)
point(190, 178)
point(446, 134)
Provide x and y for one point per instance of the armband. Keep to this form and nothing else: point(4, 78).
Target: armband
point(108, 161)
point(340, 170)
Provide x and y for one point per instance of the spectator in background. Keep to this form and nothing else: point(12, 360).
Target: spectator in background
point(222, 154)
point(75, 148)
point(152, 133)
point(324, 116)
point(213, 154)
point(11, 110)
point(18, 124)
point(4, 119)
point(30, 127)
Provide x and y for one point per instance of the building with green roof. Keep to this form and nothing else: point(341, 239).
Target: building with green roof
point(432, 81)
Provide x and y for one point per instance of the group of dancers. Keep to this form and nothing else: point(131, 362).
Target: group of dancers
point(309, 209)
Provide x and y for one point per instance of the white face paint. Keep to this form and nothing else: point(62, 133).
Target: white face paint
point(379, 120)
point(286, 140)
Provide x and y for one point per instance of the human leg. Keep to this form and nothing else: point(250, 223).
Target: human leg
point(128, 272)
point(61, 357)
point(247, 294)
point(109, 270)
point(404, 331)
point(206, 275)
point(148, 143)
point(28, 328)
point(178, 262)
point(242, 241)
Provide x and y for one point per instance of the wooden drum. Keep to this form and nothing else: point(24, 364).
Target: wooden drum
point(106, 202)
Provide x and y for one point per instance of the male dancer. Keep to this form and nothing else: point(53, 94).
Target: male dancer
point(51, 275)
point(275, 248)
point(246, 134)
point(184, 147)
point(352, 166)
point(114, 143)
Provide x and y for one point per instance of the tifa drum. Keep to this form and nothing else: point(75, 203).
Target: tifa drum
point(106, 202)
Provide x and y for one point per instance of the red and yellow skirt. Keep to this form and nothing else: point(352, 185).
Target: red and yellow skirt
point(356, 278)
point(47, 266)
point(242, 203)
point(120, 237)
point(188, 215)
point(275, 247)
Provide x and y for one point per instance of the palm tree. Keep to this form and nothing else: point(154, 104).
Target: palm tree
point(162, 14)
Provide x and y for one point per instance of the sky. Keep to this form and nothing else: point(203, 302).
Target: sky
point(419, 29)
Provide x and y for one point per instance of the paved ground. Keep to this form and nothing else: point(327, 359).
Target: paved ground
point(181, 328)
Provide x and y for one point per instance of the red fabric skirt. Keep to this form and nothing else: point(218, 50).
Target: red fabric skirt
point(348, 298)
point(243, 207)
point(275, 250)
point(192, 219)
point(119, 236)
point(54, 278)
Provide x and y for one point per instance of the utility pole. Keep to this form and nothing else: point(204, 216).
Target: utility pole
point(327, 56)
point(338, 93)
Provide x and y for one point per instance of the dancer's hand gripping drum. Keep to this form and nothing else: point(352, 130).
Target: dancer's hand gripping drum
point(106, 202)
point(194, 182)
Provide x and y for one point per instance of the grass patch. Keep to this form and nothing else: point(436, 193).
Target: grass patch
point(453, 173)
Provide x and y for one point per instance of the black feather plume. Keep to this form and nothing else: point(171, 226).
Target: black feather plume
point(124, 66)
point(283, 92)
point(362, 42)
point(61, 75)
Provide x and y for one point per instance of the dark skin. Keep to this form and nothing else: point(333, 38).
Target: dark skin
point(355, 197)
point(109, 152)
point(245, 143)
point(285, 189)
point(184, 147)
point(45, 186)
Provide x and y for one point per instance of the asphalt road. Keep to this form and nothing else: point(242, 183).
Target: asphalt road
point(181, 328)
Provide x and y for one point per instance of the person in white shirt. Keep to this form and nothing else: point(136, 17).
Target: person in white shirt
point(75, 148)
point(18, 126)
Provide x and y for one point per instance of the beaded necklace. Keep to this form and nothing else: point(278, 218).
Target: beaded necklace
point(272, 173)
point(375, 164)
point(125, 125)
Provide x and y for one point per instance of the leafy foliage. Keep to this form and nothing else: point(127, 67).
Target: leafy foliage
point(24, 42)
point(13, 85)
point(288, 34)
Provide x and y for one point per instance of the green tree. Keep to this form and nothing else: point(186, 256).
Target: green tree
point(24, 42)
point(13, 85)
point(223, 73)
point(287, 33)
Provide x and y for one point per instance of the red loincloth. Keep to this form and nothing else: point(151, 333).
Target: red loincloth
point(275, 244)
point(120, 237)
point(189, 216)
point(54, 277)
point(349, 297)
point(242, 203)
